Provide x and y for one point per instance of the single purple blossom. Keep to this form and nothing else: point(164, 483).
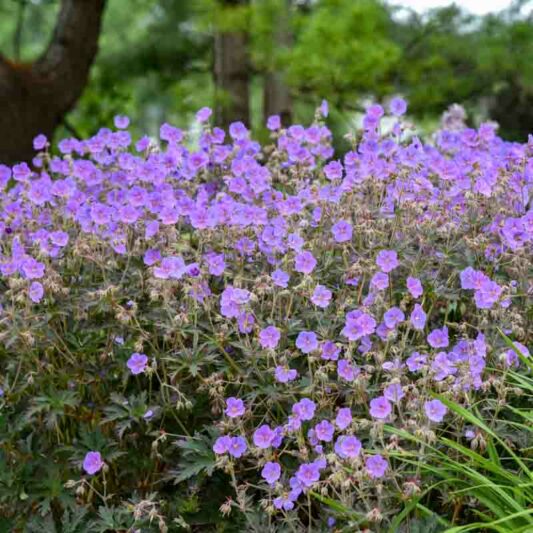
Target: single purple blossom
point(307, 341)
point(271, 472)
point(435, 410)
point(387, 260)
point(376, 466)
point(380, 408)
point(137, 363)
point(234, 407)
point(93, 463)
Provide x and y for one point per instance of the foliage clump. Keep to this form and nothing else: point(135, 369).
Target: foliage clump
point(303, 342)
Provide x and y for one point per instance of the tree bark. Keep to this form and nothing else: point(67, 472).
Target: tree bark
point(276, 94)
point(231, 75)
point(35, 97)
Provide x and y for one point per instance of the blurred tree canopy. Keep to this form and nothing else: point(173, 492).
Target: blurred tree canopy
point(161, 60)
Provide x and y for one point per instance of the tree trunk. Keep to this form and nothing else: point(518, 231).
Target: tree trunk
point(35, 97)
point(231, 75)
point(276, 95)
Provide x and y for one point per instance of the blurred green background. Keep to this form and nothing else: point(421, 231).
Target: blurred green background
point(157, 59)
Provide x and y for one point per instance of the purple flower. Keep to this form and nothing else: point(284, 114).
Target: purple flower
point(203, 114)
point(387, 260)
point(379, 281)
point(330, 351)
point(263, 436)
point(347, 447)
point(346, 370)
point(333, 170)
point(380, 408)
point(271, 472)
point(304, 409)
point(343, 418)
point(234, 407)
point(511, 356)
point(414, 286)
point(394, 392)
point(121, 122)
point(321, 296)
point(438, 338)
point(274, 122)
point(280, 278)
point(435, 410)
point(93, 463)
point(137, 363)
point(269, 337)
point(304, 263)
point(36, 292)
point(324, 108)
point(397, 106)
point(376, 466)
point(358, 324)
point(222, 445)
point(488, 294)
point(284, 374)
point(40, 142)
point(393, 317)
point(237, 447)
point(308, 474)
point(32, 268)
point(342, 231)
point(418, 318)
point(307, 341)
point(324, 431)
point(416, 362)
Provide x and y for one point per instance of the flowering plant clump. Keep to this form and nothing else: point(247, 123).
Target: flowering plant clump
point(288, 336)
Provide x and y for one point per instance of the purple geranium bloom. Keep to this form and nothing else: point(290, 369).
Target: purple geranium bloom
point(269, 337)
point(343, 418)
point(308, 474)
point(387, 260)
point(234, 407)
point(304, 409)
point(348, 447)
point(93, 463)
point(263, 436)
point(307, 341)
point(346, 370)
point(416, 361)
point(321, 296)
point(121, 122)
point(36, 292)
point(414, 286)
point(394, 392)
point(379, 281)
point(203, 114)
point(284, 374)
point(511, 356)
point(333, 170)
point(418, 318)
point(137, 363)
point(274, 122)
point(438, 338)
point(393, 317)
point(342, 231)
point(330, 351)
point(397, 106)
point(237, 447)
point(488, 294)
point(376, 466)
point(32, 268)
point(435, 410)
point(222, 444)
point(40, 142)
point(271, 472)
point(304, 263)
point(151, 257)
point(280, 278)
point(358, 325)
point(324, 431)
point(380, 407)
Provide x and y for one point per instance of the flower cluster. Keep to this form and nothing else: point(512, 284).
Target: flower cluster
point(314, 304)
